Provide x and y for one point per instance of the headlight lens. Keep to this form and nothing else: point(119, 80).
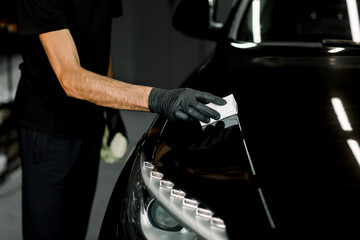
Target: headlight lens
point(154, 209)
point(161, 219)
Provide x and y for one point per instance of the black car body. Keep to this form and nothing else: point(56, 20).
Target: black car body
point(287, 165)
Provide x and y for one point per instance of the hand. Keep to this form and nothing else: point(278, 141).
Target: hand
point(114, 123)
point(114, 143)
point(184, 104)
point(114, 150)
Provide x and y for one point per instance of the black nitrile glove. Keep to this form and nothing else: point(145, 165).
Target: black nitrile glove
point(184, 104)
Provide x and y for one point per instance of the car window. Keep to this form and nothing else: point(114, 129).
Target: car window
point(299, 20)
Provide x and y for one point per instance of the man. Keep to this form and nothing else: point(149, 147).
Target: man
point(65, 45)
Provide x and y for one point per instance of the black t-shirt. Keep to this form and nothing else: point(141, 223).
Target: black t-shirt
point(41, 103)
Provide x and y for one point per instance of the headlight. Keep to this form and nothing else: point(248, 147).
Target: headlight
point(161, 219)
point(155, 209)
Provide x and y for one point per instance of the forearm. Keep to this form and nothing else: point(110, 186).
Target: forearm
point(80, 83)
point(104, 91)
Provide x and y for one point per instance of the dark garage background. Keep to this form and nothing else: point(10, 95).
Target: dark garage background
point(147, 50)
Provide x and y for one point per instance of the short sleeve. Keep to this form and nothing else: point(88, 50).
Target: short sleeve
point(40, 16)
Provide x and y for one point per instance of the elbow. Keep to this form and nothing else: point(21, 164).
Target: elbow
point(67, 84)
point(68, 91)
point(66, 79)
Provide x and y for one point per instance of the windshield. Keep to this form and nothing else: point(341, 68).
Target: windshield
point(299, 20)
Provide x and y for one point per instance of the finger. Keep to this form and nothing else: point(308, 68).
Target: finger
point(210, 98)
point(182, 116)
point(207, 111)
point(196, 114)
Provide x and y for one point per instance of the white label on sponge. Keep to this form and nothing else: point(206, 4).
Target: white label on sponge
point(229, 109)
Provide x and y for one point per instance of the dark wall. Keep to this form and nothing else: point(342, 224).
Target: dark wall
point(147, 50)
point(7, 10)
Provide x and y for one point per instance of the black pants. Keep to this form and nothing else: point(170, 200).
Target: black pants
point(59, 181)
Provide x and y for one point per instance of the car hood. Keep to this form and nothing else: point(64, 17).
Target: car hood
point(286, 165)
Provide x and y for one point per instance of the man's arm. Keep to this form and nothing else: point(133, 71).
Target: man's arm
point(77, 82)
point(101, 90)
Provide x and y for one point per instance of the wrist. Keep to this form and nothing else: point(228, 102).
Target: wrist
point(154, 99)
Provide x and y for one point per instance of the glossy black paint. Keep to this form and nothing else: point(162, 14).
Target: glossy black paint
point(290, 146)
point(303, 163)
